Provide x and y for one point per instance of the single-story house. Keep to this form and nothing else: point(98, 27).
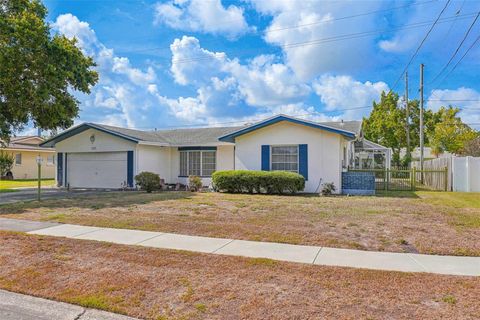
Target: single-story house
point(25, 150)
point(99, 156)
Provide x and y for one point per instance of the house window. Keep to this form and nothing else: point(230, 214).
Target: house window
point(284, 158)
point(50, 160)
point(208, 163)
point(197, 163)
point(18, 159)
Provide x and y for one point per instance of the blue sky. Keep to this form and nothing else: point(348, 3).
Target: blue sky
point(197, 62)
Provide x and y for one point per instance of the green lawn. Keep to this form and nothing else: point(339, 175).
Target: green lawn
point(8, 185)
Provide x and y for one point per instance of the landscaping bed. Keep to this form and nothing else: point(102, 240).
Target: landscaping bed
point(166, 284)
point(424, 222)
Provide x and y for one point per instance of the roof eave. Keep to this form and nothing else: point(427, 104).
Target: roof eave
point(81, 128)
point(45, 149)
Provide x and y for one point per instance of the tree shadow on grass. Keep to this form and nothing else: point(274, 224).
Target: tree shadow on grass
point(95, 200)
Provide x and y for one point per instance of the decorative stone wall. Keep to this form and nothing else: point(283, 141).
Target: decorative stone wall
point(358, 183)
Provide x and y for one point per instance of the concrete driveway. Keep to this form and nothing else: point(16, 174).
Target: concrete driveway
point(47, 193)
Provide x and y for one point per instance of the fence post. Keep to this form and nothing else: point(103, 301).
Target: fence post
point(413, 178)
point(388, 179)
point(385, 179)
point(446, 178)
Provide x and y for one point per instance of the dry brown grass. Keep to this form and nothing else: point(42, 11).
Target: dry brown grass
point(425, 222)
point(166, 284)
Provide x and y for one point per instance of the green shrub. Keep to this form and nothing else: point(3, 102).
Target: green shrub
point(247, 181)
point(195, 183)
point(148, 181)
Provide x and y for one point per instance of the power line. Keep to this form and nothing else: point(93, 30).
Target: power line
point(455, 21)
point(462, 100)
point(261, 119)
point(455, 66)
point(420, 46)
point(347, 17)
point(458, 48)
point(306, 24)
point(458, 62)
point(347, 36)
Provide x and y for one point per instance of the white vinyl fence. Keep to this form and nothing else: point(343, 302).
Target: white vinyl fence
point(466, 174)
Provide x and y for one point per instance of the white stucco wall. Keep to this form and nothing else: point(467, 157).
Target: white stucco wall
point(154, 159)
point(324, 151)
point(225, 157)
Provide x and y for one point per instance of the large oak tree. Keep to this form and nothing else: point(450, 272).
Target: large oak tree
point(39, 70)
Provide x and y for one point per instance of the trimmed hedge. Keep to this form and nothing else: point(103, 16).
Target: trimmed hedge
point(148, 181)
point(247, 181)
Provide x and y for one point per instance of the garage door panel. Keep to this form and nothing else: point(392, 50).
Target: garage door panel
point(98, 156)
point(97, 170)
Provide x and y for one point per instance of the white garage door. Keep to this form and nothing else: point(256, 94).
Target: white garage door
point(97, 170)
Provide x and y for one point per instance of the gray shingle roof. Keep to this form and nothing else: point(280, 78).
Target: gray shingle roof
point(18, 143)
point(352, 126)
point(181, 137)
point(198, 136)
point(194, 136)
point(20, 146)
point(176, 137)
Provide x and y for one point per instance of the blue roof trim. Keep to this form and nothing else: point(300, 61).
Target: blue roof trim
point(231, 137)
point(81, 128)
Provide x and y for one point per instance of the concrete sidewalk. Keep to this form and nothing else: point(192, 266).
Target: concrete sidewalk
point(15, 306)
point(449, 265)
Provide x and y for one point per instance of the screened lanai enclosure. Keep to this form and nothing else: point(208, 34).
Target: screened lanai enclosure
point(370, 155)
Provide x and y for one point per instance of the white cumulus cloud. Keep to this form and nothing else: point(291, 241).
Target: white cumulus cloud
point(203, 16)
point(305, 31)
point(261, 82)
point(192, 64)
point(344, 92)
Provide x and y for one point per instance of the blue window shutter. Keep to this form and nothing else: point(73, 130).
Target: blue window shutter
point(303, 160)
point(65, 182)
point(60, 169)
point(265, 158)
point(130, 169)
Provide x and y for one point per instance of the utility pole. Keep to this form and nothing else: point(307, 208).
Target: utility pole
point(407, 113)
point(421, 122)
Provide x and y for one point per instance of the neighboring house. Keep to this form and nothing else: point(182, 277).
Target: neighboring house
point(26, 149)
point(99, 156)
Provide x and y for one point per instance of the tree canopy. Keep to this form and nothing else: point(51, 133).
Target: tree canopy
point(450, 133)
point(38, 70)
point(472, 148)
point(387, 123)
